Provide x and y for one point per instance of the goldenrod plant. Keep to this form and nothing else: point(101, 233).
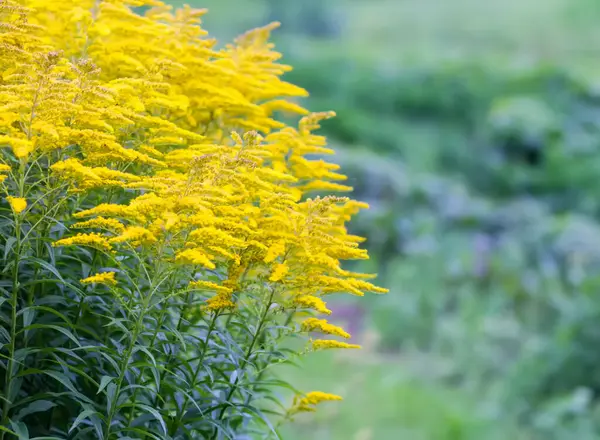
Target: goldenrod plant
point(163, 235)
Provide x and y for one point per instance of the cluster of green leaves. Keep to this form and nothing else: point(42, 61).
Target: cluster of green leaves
point(509, 131)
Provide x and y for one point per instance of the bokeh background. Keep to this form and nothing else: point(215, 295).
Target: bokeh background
point(472, 127)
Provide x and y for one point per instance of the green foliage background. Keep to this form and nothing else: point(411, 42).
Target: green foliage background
point(472, 128)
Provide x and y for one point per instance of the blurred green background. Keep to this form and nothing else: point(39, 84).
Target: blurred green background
point(473, 129)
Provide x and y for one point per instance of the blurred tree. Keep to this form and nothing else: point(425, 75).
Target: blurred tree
point(314, 18)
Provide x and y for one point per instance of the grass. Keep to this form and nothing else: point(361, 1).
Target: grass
point(384, 400)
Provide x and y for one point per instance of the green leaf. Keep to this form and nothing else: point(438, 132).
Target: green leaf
point(143, 433)
point(62, 330)
point(20, 429)
point(51, 300)
point(46, 438)
point(10, 242)
point(104, 382)
point(147, 352)
point(4, 336)
point(141, 420)
point(68, 384)
point(81, 417)
point(35, 407)
point(44, 309)
point(156, 415)
point(22, 353)
point(111, 395)
point(110, 360)
point(47, 266)
point(28, 315)
point(97, 420)
point(97, 426)
point(16, 384)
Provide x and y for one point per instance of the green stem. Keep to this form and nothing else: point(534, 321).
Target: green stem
point(123, 370)
point(40, 248)
point(159, 325)
point(211, 327)
point(246, 360)
point(261, 373)
point(83, 297)
point(8, 383)
point(159, 405)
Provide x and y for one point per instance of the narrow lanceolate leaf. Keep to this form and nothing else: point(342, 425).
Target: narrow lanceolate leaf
point(156, 415)
point(111, 396)
point(8, 246)
point(68, 385)
point(81, 417)
point(104, 381)
point(49, 267)
point(34, 407)
point(28, 315)
point(4, 336)
point(63, 330)
point(46, 438)
point(20, 430)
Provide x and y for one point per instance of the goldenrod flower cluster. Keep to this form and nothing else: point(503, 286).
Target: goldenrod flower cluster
point(319, 344)
point(321, 325)
point(107, 278)
point(161, 156)
point(308, 402)
point(17, 204)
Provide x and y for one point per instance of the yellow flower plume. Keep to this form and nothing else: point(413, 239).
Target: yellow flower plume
point(17, 204)
point(323, 344)
point(107, 278)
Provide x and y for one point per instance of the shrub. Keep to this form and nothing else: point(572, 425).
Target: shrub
point(155, 263)
point(534, 127)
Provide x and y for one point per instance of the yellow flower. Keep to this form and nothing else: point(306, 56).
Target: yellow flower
point(105, 209)
point(107, 278)
point(316, 397)
point(18, 204)
point(310, 400)
point(93, 240)
point(171, 220)
point(218, 302)
point(135, 235)
point(195, 257)
point(209, 285)
point(312, 302)
point(279, 271)
point(21, 147)
point(321, 344)
point(110, 224)
point(276, 249)
point(321, 325)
